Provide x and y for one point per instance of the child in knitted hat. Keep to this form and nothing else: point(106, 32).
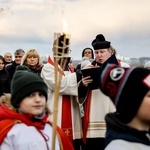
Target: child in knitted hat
point(129, 90)
point(23, 115)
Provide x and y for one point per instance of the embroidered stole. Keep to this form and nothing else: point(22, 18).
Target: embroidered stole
point(86, 115)
point(66, 122)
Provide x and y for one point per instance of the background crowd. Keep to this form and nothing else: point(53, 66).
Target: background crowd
point(109, 110)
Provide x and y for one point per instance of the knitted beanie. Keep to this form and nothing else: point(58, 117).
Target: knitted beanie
point(100, 43)
point(126, 87)
point(23, 83)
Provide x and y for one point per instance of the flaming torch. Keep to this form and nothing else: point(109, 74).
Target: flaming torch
point(61, 49)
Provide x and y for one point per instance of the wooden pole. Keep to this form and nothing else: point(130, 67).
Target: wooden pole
point(58, 77)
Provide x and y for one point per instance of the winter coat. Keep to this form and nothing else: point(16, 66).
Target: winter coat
point(24, 132)
point(4, 82)
point(119, 136)
point(11, 68)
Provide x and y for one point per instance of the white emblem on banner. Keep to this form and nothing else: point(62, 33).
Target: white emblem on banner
point(116, 73)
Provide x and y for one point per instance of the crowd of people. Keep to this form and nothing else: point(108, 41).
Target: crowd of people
point(109, 110)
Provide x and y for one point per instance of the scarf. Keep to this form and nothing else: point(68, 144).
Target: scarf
point(28, 119)
point(9, 117)
point(86, 115)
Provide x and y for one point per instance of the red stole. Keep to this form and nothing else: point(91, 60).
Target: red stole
point(66, 122)
point(64, 141)
point(86, 115)
point(119, 63)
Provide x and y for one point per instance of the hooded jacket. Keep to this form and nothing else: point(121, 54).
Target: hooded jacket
point(119, 136)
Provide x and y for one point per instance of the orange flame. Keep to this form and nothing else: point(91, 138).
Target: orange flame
point(65, 26)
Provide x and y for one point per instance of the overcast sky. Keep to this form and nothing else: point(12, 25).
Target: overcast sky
point(31, 24)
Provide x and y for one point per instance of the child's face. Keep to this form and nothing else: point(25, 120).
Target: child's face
point(144, 110)
point(33, 104)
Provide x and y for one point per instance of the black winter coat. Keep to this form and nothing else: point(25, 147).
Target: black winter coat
point(4, 82)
